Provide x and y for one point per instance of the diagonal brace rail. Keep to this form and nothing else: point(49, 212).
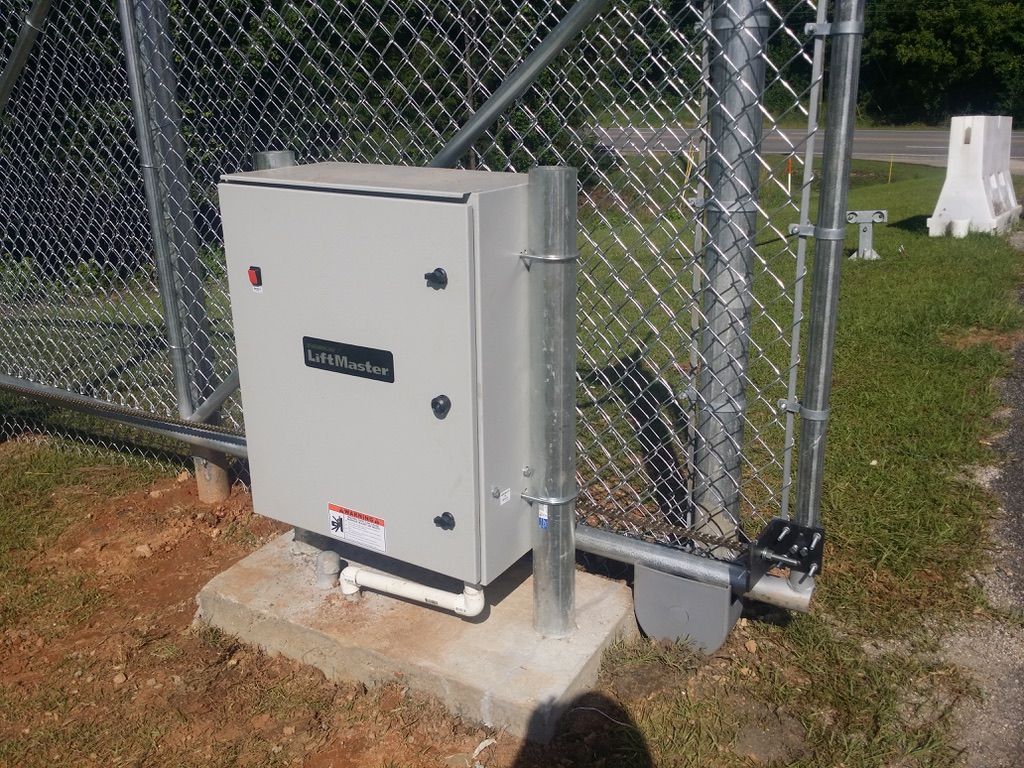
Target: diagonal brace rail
point(515, 85)
point(30, 29)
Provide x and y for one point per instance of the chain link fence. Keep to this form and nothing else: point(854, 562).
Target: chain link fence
point(691, 124)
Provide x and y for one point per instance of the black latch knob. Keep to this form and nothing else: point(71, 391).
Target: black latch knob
point(440, 405)
point(445, 521)
point(437, 279)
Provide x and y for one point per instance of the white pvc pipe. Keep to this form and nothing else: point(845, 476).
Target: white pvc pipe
point(469, 603)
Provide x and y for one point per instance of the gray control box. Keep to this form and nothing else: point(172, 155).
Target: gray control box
point(380, 319)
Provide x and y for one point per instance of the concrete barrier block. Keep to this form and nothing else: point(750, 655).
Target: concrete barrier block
point(978, 188)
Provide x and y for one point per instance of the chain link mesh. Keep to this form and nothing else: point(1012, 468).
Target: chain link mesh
point(631, 104)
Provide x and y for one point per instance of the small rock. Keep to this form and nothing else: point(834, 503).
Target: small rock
point(289, 730)
point(155, 494)
point(143, 550)
point(874, 462)
point(151, 682)
point(184, 476)
point(751, 646)
point(120, 678)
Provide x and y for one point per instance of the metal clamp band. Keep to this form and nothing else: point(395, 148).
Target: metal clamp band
point(820, 233)
point(824, 233)
point(549, 501)
point(553, 257)
point(848, 28)
point(838, 28)
point(809, 414)
point(793, 406)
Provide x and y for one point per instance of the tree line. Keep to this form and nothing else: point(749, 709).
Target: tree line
point(927, 60)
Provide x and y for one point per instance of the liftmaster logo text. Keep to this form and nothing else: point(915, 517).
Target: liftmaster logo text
point(363, 362)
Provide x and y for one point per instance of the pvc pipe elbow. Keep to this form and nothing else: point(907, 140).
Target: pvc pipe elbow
point(349, 582)
point(469, 603)
point(473, 602)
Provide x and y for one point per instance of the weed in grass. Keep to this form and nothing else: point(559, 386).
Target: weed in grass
point(166, 651)
point(214, 638)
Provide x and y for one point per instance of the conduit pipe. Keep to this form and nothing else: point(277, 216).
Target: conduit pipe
point(469, 603)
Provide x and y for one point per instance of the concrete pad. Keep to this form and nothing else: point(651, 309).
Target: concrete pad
point(493, 669)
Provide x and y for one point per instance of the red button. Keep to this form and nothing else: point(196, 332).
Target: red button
point(255, 277)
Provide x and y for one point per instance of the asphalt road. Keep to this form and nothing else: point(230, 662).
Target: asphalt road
point(927, 147)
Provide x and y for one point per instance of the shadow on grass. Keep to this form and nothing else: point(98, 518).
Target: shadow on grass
point(595, 730)
point(918, 225)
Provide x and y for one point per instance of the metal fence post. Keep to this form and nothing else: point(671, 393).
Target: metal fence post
point(847, 29)
point(172, 220)
point(738, 36)
point(31, 26)
point(552, 263)
point(278, 158)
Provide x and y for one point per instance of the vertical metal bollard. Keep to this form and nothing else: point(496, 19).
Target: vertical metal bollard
point(738, 36)
point(172, 220)
point(278, 158)
point(552, 264)
point(847, 30)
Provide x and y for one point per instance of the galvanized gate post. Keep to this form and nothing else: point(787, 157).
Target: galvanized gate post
point(552, 263)
point(847, 30)
point(738, 36)
point(168, 183)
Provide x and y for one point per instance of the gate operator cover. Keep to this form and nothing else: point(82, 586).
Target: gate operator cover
point(381, 322)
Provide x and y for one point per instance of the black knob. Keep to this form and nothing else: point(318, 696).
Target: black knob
point(437, 279)
point(445, 521)
point(440, 405)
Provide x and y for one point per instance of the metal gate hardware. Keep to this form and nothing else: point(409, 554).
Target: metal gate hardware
point(839, 28)
point(551, 502)
point(786, 543)
point(819, 233)
point(866, 221)
point(794, 406)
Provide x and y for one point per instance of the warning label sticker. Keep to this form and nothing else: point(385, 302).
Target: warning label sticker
point(356, 528)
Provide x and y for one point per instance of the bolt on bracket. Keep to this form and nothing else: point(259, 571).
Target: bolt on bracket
point(785, 543)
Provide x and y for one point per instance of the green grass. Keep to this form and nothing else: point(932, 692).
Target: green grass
point(906, 398)
point(910, 410)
